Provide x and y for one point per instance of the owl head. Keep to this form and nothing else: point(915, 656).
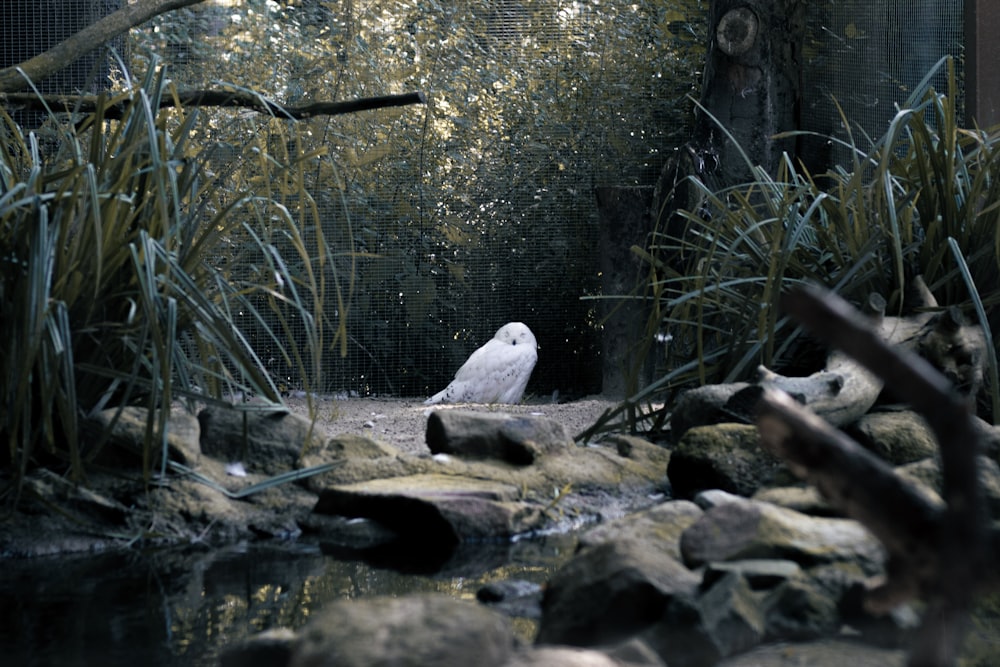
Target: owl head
point(516, 333)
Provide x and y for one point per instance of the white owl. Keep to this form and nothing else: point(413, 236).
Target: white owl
point(497, 372)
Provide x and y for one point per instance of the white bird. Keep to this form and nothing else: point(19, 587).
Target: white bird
point(497, 372)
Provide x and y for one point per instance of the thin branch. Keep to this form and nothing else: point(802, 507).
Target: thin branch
point(212, 98)
point(79, 44)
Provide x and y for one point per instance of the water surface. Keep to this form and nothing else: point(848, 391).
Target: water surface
point(184, 606)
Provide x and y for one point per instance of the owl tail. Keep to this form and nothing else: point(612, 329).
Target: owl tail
point(437, 398)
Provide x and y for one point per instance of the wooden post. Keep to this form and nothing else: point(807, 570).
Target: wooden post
point(982, 54)
point(624, 216)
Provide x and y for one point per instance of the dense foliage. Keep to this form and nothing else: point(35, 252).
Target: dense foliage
point(919, 200)
point(202, 255)
point(477, 208)
point(118, 284)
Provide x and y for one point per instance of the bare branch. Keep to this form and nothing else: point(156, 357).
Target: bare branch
point(862, 486)
point(93, 36)
point(915, 381)
point(937, 551)
point(214, 98)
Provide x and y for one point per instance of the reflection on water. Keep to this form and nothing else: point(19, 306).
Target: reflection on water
point(183, 607)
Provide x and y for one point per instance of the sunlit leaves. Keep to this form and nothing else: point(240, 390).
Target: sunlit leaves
point(530, 104)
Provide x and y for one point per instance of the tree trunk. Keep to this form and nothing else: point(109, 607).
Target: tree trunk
point(751, 87)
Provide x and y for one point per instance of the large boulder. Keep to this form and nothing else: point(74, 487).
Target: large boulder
point(926, 475)
point(659, 527)
point(825, 653)
point(702, 406)
point(517, 439)
point(566, 656)
point(435, 509)
point(267, 441)
point(898, 437)
point(126, 428)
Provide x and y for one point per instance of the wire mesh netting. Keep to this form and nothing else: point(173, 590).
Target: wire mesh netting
point(475, 209)
point(29, 27)
point(449, 219)
point(869, 57)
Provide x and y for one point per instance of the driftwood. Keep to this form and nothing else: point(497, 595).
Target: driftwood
point(213, 98)
point(938, 553)
point(846, 389)
point(841, 393)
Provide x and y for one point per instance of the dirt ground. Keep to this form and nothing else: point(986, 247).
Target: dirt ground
point(403, 422)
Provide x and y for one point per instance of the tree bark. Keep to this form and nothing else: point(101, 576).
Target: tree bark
point(624, 218)
point(92, 37)
point(751, 87)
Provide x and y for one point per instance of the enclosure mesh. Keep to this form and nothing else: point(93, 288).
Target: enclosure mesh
point(452, 252)
point(29, 27)
point(447, 261)
point(870, 57)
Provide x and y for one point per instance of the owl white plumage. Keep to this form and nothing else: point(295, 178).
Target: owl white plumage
point(497, 372)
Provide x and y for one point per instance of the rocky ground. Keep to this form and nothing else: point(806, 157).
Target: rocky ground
point(703, 550)
point(402, 422)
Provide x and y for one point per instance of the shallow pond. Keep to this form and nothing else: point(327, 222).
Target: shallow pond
point(183, 607)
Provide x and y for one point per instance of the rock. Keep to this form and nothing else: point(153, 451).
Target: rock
point(349, 446)
point(989, 436)
point(899, 437)
point(926, 474)
point(626, 444)
point(804, 499)
point(894, 629)
point(634, 652)
point(266, 441)
point(724, 456)
point(742, 529)
point(349, 534)
point(74, 500)
point(128, 431)
point(438, 509)
point(609, 592)
point(514, 597)
point(702, 406)
point(760, 574)
point(800, 609)
point(681, 637)
point(823, 653)
point(271, 648)
point(360, 459)
point(563, 656)
point(517, 439)
point(710, 498)
point(731, 615)
point(412, 630)
point(660, 527)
